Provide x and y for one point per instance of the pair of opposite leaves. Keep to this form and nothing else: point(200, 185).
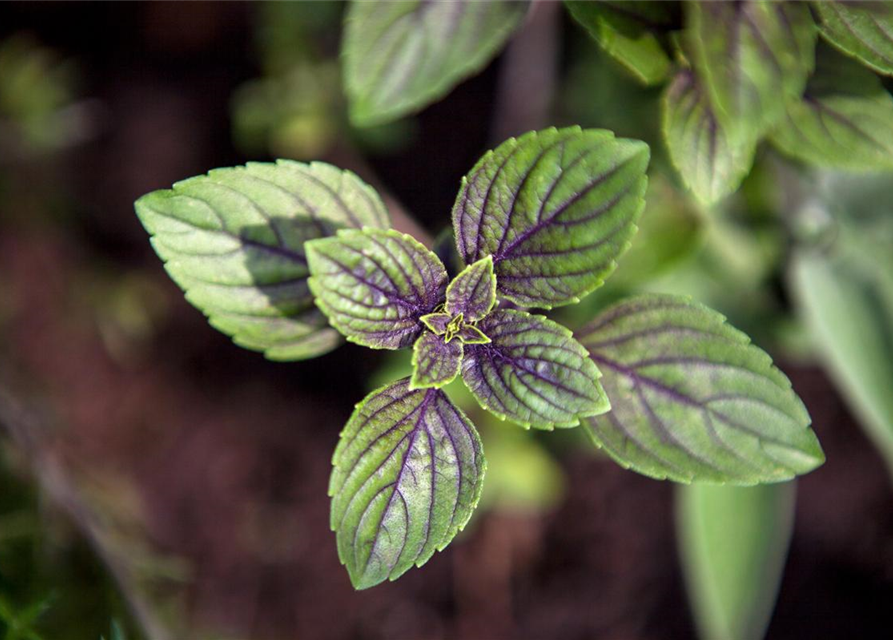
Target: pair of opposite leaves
point(542, 220)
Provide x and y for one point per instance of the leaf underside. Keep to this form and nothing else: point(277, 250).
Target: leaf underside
point(862, 30)
point(692, 399)
point(401, 56)
point(375, 285)
point(750, 57)
point(845, 119)
point(408, 472)
point(533, 372)
point(711, 163)
point(555, 209)
point(234, 242)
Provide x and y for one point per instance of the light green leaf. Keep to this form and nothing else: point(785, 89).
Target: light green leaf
point(712, 163)
point(408, 472)
point(375, 285)
point(734, 542)
point(846, 298)
point(692, 399)
point(234, 242)
point(532, 372)
point(401, 56)
point(629, 32)
point(845, 119)
point(863, 30)
point(555, 209)
point(435, 362)
point(750, 57)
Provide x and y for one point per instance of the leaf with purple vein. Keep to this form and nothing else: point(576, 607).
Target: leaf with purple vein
point(375, 285)
point(692, 399)
point(750, 57)
point(399, 56)
point(435, 362)
point(473, 292)
point(533, 372)
point(712, 164)
point(863, 30)
point(233, 240)
point(554, 209)
point(408, 472)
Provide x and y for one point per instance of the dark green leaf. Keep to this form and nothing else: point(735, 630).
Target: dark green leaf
point(532, 372)
point(750, 57)
point(408, 472)
point(402, 56)
point(375, 285)
point(863, 30)
point(234, 241)
point(712, 164)
point(692, 399)
point(555, 208)
point(734, 542)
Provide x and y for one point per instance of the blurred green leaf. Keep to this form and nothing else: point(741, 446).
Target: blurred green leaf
point(630, 33)
point(712, 163)
point(863, 30)
point(844, 120)
point(733, 543)
point(401, 56)
point(845, 294)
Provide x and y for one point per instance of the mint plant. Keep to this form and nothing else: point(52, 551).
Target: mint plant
point(289, 257)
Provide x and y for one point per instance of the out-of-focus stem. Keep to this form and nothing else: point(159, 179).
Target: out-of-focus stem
point(529, 68)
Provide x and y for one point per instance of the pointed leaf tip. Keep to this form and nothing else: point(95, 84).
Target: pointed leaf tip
point(408, 473)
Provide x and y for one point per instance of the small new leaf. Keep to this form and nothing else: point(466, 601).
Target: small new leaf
point(712, 164)
point(692, 399)
point(532, 372)
point(408, 472)
point(234, 242)
point(401, 56)
point(750, 57)
point(473, 292)
point(554, 209)
point(375, 285)
point(863, 30)
point(435, 362)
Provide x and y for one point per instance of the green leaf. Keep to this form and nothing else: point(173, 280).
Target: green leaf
point(408, 472)
point(845, 119)
point(712, 163)
point(555, 209)
point(375, 285)
point(435, 362)
point(473, 292)
point(846, 298)
point(734, 542)
point(234, 242)
point(532, 372)
point(751, 57)
point(629, 32)
point(863, 30)
point(692, 399)
point(401, 56)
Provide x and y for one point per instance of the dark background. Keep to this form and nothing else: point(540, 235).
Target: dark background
point(227, 455)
